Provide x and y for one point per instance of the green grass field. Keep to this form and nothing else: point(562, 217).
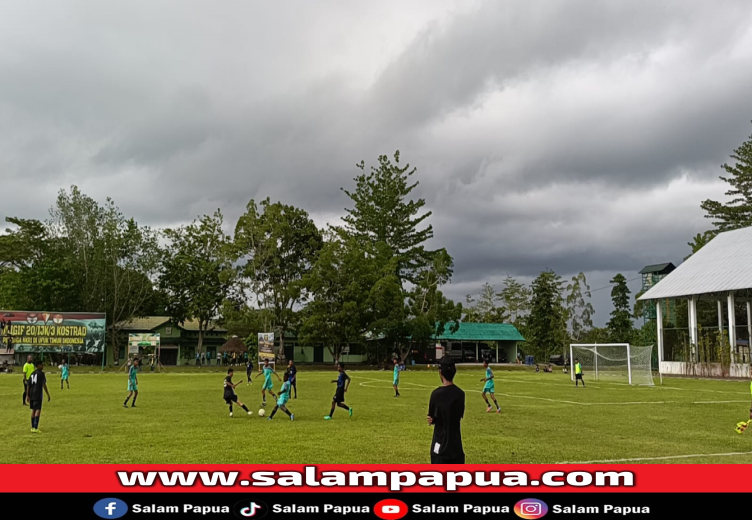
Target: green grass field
point(181, 418)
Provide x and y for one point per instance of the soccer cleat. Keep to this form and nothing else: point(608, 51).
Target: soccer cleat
point(328, 417)
point(489, 409)
point(36, 430)
point(498, 410)
point(133, 406)
point(350, 412)
point(292, 417)
point(125, 405)
point(33, 430)
point(230, 414)
point(268, 418)
point(250, 413)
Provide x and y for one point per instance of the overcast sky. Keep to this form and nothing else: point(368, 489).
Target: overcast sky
point(577, 135)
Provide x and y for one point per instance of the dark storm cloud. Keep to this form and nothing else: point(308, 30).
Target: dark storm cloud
point(578, 136)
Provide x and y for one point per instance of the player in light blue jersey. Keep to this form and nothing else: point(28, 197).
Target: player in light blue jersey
point(64, 369)
point(395, 382)
point(132, 384)
point(284, 397)
point(489, 388)
point(267, 370)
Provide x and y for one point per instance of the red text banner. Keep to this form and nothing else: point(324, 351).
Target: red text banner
point(643, 478)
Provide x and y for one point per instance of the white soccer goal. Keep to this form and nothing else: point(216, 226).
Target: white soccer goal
point(617, 362)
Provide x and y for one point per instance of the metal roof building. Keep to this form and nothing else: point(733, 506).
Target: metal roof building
point(721, 271)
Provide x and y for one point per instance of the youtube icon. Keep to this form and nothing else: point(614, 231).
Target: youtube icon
point(390, 509)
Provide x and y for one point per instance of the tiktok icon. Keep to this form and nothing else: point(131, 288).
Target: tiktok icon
point(252, 509)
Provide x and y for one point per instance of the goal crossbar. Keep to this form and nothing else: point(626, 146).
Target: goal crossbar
point(617, 362)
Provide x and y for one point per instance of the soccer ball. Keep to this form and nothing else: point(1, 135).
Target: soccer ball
point(262, 412)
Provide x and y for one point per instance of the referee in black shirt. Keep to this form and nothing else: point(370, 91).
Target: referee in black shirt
point(445, 411)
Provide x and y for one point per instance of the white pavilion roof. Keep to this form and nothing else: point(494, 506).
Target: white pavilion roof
point(723, 264)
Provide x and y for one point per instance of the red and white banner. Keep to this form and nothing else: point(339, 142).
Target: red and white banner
point(161, 478)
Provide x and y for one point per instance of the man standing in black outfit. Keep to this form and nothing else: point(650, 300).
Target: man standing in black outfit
point(445, 411)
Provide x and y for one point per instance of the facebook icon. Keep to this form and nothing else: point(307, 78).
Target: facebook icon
point(110, 508)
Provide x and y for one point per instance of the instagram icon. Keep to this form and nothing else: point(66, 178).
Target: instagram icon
point(530, 508)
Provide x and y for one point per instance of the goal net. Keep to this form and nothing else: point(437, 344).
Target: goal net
point(617, 362)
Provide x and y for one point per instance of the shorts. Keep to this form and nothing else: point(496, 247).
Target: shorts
point(489, 388)
point(268, 385)
point(578, 376)
point(35, 404)
point(396, 381)
point(282, 401)
point(132, 387)
point(231, 398)
point(339, 395)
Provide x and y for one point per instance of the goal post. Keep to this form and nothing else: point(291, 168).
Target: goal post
point(614, 362)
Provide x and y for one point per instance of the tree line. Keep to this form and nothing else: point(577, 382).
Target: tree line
point(369, 276)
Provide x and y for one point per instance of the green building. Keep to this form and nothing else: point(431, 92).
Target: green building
point(178, 342)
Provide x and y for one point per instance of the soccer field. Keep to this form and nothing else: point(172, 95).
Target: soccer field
point(182, 418)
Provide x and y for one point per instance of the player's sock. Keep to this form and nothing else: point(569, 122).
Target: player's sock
point(497, 404)
point(134, 401)
point(32, 423)
point(331, 414)
point(289, 414)
point(125, 403)
point(36, 423)
point(244, 407)
point(274, 411)
point(230, 409)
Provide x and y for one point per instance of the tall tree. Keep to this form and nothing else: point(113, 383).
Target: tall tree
point(35, 272)
point(487, 308)
point(430, 312)
point(338, 312)
point(579, 309)
point(737, 212)
point(114, 261)
point(383, 212)
point(547, 323)
point(699, 241)
point(386, 217)
point(198, 272)
point(279, 245)
point(620, 326)
point(516, 299)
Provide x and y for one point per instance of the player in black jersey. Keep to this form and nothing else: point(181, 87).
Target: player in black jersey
point(230, 396)
point(37, 384)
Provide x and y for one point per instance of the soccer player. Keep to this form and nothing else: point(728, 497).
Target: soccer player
point(64, 374)
point(284, 396)
point(293, 371)
point(395, 380)
point(445, 411)
point(343, 383)
point(248, 370)
point(488, 388)
point(578, 373)
point(37, 383)
point(132, 384)
point(230, 395)
point(267, 370)
point(28, 369)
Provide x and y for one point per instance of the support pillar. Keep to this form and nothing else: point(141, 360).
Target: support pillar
point(732, 323)
point(693, 325)
point(659, 337)
point(497, 352)
point(476, 352)
point(720, 315)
